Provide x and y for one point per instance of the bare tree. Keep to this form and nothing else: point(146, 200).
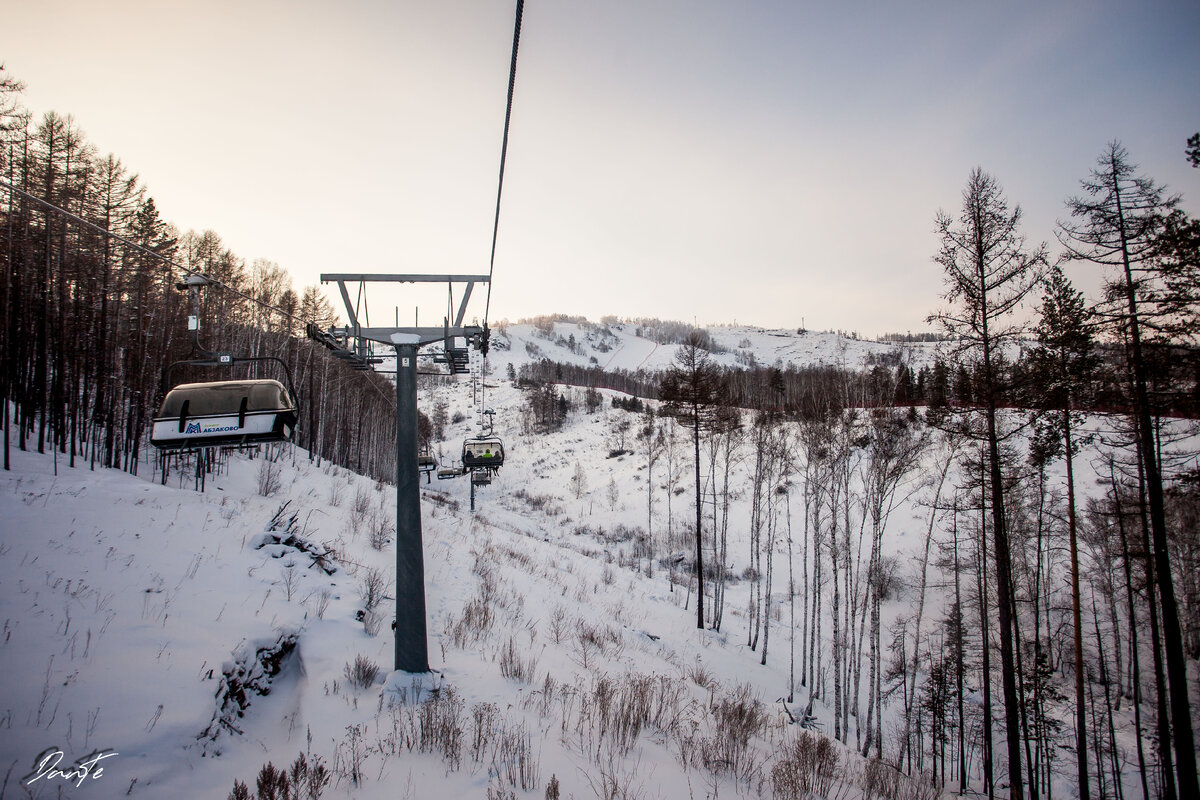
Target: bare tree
point(692, 392)
point(578, 481)
point(989, 272)
point(652, 439)
point(893, 451)
point(1119, 224)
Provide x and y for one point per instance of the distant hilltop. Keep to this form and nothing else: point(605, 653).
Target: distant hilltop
point(650, 345)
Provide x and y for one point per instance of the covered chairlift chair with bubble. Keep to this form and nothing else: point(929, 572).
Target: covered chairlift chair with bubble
point(230, 413)
point(224, 413)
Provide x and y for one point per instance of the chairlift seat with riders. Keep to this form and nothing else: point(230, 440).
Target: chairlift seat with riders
point(224, 413)
point(483, 452)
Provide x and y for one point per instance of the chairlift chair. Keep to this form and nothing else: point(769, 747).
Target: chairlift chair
point(224, 413)
point(481, 477)
point(483, 452)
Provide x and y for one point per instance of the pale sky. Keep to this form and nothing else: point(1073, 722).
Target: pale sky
point(764, 162)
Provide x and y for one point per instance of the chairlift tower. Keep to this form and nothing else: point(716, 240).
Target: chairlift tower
point(412, 646)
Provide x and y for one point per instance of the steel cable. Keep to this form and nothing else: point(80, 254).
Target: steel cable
point(512, 79)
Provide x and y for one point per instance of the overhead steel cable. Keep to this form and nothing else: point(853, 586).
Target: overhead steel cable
point(512, 79)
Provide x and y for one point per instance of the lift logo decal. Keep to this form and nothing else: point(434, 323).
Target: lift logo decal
point(196, 427)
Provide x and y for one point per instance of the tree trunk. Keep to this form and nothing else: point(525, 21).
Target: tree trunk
point(699, 529)
point(1076, 617)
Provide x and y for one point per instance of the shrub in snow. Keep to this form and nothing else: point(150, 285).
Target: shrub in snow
point(290, 579)
point(514, 759)
point(380, 529)
point(738, 717)
point(484, 718)
point(474, 624)
point(372, 586)
point(269, 478)
point(320, 603)
point(514, 666)
point(303, 780)
point(558, 624)
point(432, 726)
point(249, 675)
point(281, 536)
point(362, 673)
point(349, 756)
point(806, 767)
point(337, 491)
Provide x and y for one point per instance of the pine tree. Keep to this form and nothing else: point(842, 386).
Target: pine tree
point(692, 391)
point(1065, 363)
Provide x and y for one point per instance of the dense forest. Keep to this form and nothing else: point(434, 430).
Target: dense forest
point(92, 312)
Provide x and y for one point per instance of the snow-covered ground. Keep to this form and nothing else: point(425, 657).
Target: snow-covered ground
point(140, 618)
point(131, 607)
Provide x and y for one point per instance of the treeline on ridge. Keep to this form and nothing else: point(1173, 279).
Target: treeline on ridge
point(803, 391)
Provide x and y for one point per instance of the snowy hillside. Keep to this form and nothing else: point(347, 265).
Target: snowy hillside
point(140, 617)
point(185, 639)
point(619, 346)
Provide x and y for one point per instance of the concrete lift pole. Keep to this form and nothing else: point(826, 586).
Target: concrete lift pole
point(411, 637)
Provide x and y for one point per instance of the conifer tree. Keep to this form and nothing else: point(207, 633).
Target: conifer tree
point(989, 272)
point(315, 307)
point(1065, 363)
point(692, 392)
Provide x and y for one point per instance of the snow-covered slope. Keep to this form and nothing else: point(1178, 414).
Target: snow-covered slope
point(618, 346)
point(138, 617)
point(188, 638)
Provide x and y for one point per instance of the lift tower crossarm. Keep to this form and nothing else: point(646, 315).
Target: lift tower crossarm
point(349, 306)
point(341, 278)
point(338, 277)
